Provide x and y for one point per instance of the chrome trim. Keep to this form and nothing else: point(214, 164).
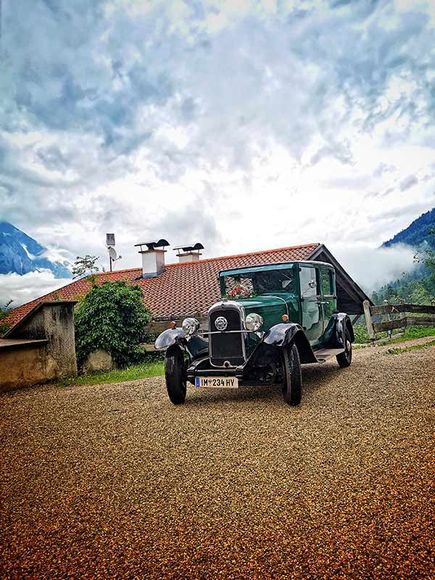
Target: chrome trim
point(228, 331)
point(231, 304)
point(223, 367)
point(227, 303)
point(221, 323)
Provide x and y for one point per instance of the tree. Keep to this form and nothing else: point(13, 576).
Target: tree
point(426, 256)
point(420, 295)
point(112, 317)
point(375, 297)
point(85, 265)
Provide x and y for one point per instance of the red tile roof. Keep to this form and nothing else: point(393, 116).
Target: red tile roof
point(181, 290)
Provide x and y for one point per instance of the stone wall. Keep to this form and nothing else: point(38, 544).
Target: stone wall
point(98, 360)
point(25, 362)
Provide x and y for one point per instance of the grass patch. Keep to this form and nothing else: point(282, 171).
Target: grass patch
point(414, 332)
point(362, 337)
point(132, 373)
point(399, 350)
point(410, 333)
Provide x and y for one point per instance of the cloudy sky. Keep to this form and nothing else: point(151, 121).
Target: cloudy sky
point(243, 124)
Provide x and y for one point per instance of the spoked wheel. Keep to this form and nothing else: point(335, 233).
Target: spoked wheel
point(292, 384)
point(345, 358)
point(175, 375)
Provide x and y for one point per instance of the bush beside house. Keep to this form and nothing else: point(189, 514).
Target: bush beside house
point(112, 318)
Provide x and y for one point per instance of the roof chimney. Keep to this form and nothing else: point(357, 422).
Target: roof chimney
point(153, 257)
point(190, 253)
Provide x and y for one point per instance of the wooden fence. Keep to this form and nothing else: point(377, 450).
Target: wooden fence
point(392, 316)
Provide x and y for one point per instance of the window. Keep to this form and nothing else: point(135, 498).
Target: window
point(250, 284)
point(308, 282)
point(327, 281)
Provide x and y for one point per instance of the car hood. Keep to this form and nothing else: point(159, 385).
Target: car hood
point(261, 302)
point(271, 308)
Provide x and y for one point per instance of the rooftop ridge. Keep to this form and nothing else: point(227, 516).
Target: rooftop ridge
point(107, 273)
point(206, 260)
point(256, 253)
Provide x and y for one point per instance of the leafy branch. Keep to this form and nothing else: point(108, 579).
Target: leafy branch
point(85, 265)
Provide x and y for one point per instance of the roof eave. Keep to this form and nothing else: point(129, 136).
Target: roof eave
point(357, 290)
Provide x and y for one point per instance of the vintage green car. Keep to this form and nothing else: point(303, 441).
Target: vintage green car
point(270, 320)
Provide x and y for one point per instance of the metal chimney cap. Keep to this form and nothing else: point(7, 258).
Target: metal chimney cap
point(193, 247)
point(152, 245)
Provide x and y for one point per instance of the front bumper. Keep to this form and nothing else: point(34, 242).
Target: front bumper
point(203, 368)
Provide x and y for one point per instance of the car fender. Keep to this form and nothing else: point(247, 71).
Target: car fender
point(284, 334)
point(169, 338)
point(336, 329)
point(174, 338)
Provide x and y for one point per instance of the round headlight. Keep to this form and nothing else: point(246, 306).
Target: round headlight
point(253, 322)
point(190, 326)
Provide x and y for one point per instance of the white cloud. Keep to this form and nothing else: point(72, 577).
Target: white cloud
point(249, 125)
point(22, 289)
point(374, 267)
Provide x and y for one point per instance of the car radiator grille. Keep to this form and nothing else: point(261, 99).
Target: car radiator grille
point(226, 346)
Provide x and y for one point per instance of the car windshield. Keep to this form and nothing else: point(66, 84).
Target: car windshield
point(251, 284)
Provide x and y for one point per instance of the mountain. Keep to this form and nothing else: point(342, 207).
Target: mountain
point(21, 254)
point(417, 233)
point(417, 286)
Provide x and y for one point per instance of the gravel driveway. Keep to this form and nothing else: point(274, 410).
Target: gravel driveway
point(113, 480)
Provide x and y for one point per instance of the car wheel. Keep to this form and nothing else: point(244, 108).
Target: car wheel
point(175, 375)
point(292, 386)
point(345, 358)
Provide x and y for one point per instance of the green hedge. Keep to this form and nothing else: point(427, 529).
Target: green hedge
point(112, 317)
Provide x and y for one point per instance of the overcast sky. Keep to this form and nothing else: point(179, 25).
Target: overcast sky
point(243, 124)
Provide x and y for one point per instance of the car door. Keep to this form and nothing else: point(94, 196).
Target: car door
point(311, 307)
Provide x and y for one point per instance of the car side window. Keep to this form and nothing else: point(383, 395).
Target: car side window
point(326, 282)
point(308, 282)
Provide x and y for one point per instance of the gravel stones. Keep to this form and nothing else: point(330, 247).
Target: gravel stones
point(112, 480)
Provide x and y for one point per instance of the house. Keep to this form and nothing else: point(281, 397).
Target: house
point(189, 287)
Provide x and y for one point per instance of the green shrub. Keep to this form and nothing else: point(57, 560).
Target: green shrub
point(112, 317)
point(4, 326)
point(361, 334)
point(4, 311)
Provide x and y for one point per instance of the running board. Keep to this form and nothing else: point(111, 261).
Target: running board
point(322, 354)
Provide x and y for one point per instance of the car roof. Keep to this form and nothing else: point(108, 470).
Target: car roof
point(276, 266)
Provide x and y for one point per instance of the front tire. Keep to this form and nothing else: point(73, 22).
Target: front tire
point(175, 375)
point(345, 358)
point(292, 386)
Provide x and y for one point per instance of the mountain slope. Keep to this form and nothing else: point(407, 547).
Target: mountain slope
point(21, 254)
point(417, 286)
point(417, 233)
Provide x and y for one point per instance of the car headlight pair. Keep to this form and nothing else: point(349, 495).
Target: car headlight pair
point(190, 326)
point(253, 322)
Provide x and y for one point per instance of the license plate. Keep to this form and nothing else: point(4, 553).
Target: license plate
point(217, 382)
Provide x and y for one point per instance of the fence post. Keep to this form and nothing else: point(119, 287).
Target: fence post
point(369, 321)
